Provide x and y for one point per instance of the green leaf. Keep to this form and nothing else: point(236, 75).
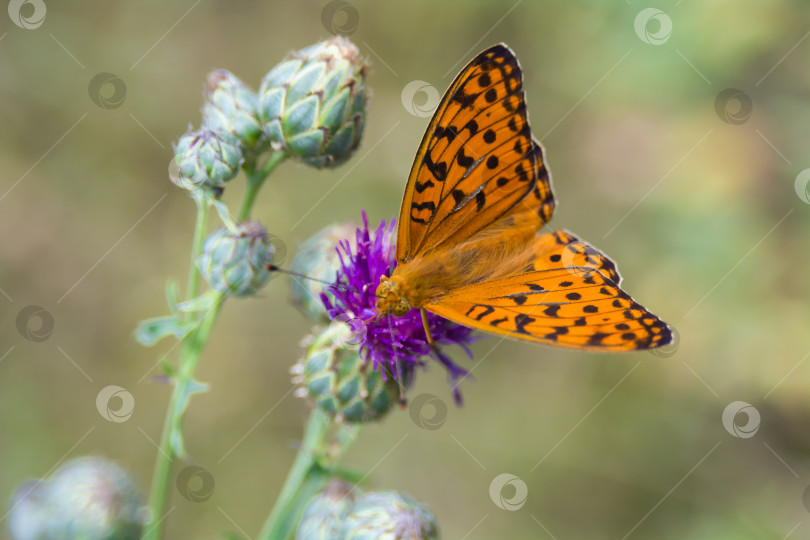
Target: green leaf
point(203, 302)
point(150, 331)
point(224, 215)
point(171, 295)
point(184, 392)
point(351, 476)
point(167, 368)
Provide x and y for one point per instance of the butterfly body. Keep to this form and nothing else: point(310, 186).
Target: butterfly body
point(469, 241)
point(426, 278)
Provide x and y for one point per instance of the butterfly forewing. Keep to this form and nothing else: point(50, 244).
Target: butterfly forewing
point(536, 208)
point(476, 161)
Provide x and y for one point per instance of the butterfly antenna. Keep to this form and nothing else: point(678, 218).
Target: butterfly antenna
point(275, 268)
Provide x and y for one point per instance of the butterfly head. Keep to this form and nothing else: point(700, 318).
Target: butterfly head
point(390, 297)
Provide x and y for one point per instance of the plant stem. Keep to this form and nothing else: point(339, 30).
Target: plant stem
point(279, 524)
point(255, 179)
point(163, 465)
point(193, 282)
point(193, 345)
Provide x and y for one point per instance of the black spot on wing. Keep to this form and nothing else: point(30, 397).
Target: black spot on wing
point(422, 186)
point(438, 170)
point(463, 159)
point(480, 200)
point(485, 310)
point(596, 338)
point(464, 99)
point(521, 320)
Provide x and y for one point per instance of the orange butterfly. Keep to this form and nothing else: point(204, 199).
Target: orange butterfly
point(468, 242)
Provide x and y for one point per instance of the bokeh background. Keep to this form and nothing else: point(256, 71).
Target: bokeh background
point(697, 192)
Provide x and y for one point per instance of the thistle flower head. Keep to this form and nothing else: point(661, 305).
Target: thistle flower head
point(395, 345)
point(88, 498)
point(313, 103)
point(235, 262)
point(324, 515)
point(388, 515)
point(207, 158)
point(317, 258)
point(230, 106)
point(339, 382)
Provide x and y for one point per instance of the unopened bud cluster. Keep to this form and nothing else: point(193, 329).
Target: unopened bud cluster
point(87, 498)
point(343, 512)
point(235, 262)
point(317, 258)
point(339, 381)
point(311, 106)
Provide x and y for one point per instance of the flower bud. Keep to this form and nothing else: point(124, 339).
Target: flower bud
point(318, 258)
point(339, 381)
point(88, 498)
point(323, 517)
point(313, 104)
point(387, 515)
point(207, 158)
point(230, 106)
point(235, 262)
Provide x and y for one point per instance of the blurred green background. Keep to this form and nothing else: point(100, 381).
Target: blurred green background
point(700, 210)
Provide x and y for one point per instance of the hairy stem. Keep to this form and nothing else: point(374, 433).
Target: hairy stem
point(305, 469)
point(193, 345)
point(255, 179)
point(158, 494)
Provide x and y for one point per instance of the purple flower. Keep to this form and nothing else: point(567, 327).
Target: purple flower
point(396, 345)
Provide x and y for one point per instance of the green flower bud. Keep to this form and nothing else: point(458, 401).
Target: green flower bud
point(387, 515)
point(235, 262)
point(323, 517)
point(88, 498)
point(317, 258)
point(313, 104)
point(230, 106)
point(207, 158)
point(339, 381)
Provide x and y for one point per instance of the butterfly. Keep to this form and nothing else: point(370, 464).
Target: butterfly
point(469, 241)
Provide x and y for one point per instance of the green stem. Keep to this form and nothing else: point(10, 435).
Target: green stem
point(193, 345)
point(158, 494)
point(305, 469)
point(255, 179)
point(193, 282)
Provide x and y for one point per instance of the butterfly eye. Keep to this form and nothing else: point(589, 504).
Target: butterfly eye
point(402, 307)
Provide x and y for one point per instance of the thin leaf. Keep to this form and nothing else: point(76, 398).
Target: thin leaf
point(150, 331)
point(203, 302)
point(172, 295)
point(183, 397)
point(224, 215)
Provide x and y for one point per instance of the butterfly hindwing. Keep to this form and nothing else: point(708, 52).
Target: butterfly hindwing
point(477, 160)
point(568, 296)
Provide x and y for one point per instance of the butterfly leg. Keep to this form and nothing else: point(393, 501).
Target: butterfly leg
point(427, 328)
